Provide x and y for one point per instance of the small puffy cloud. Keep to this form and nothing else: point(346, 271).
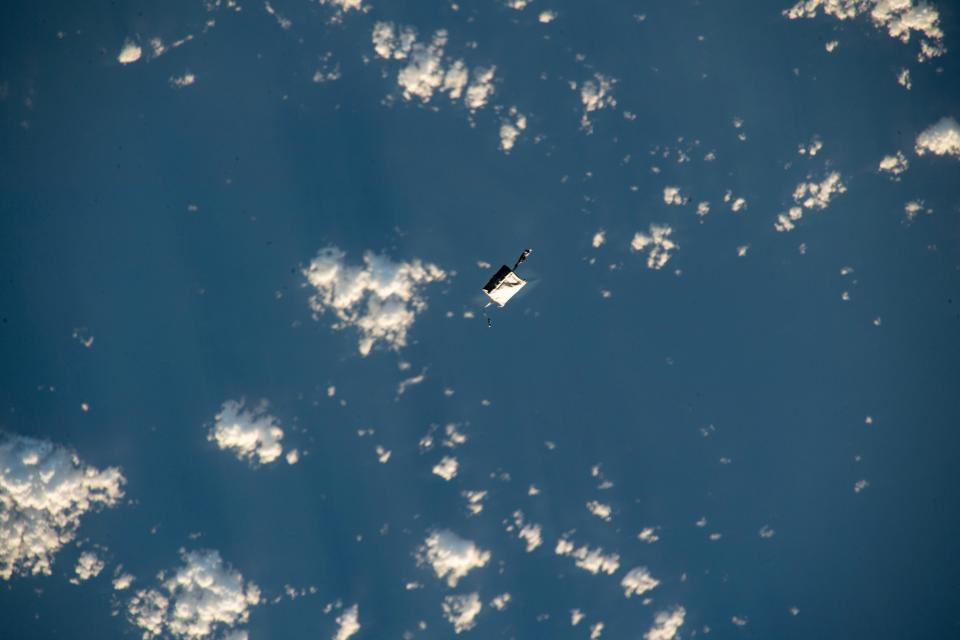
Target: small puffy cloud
point(348, 623)
point(530, 533)
point(665, 624)
point(912, 208)
point(511, 128)
point(293, 456)
point(427, 70)
point(766, 532)
point(462, 610)
point(380, 299)
point(122, 581)
point(500, 601)
point(45, 490)
point(648, 535)
point(592, 560)
point(179, 82)
point(519, 5)
point(344, 6)
point(942, 139)
point(860, 485)
point(657, 243)
point(129, 53)
point(546, 17)
point(811, 149)
point(901, 18)
point(595, 94)
point(203, 597)
point(285, 23)
point(637, 582)
point(599, 238)
point(89, 565)
point(450, 556)
point(474, 501)
point(810, 195)
point(251, 434)
point(596, 630)
point(599, 509)
point(903, 79)
point(703, 208)
point(894, 165)
point(447, 468)
point(672, 195)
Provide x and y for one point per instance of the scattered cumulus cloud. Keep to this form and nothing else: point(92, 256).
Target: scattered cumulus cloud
point(462, 610)
point(450, 556)
point(810, 195)
point(593, 560)
point(657, 243)
point(648, 535)
point(546, 17)
point(130, 52)
point(638, 581)
point(447, 468)
point(380, 299)
point(511, 128)
point(284, 22)
point(427, 70)
point(348, 623)
point(599, 238)
point(894, 165)
point(595, 94)
point(672, 195)
point(665, 624)
point(942, 139)
point(89, 565)
point(250, 434)
point(903, 79)
point(202, 597)
point(901, 19)
point(529, 532)
point(45, 490)
point(599, 509)
point(179, 82)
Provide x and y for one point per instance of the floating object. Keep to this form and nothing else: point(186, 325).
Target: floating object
point(505, 283)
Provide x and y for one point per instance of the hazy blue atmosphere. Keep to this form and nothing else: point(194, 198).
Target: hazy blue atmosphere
point(247, 386)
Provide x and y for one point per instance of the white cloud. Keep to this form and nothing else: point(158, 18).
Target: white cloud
point(345, 5)
point(122, 581)
point(179, 82)
point(45, 490)
point(637, 582)
point(665, 624)
point(659, 243)
point(703, 208)
point(596, 630)
point(903, 79)
point(576, 616)
point(648, 535)
point(500, 602)
point(451, 556)
point(519, 5)
point(474, 501)
point(912, 208)
point(381, 299)
point(738, 204)
point(202, 597)
point(766, 532)
point(348, 623)
point(129, 53)
point(251, 434)
point(942, 138)
point(89, 565)
point(860, 485)
point(462, 610)
point(447, 468)
point(810, 195)
point(511, 128)
point(592, 560)
point(427, 71)
point(899, 17)
point(595, 94)
point(284, 22)
point(671, 195)
point(811, 149)
point(546, 17)
point(293, 456)
point(599, 238)
point(599, 509)
point(530, 533)
point(894, 165)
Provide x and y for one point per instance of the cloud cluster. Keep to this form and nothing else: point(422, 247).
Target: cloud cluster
point(201, 598)
point(45, 490)
point(810, 195)
point(657, 244)
point(130, 52)
point(427, 70)
point(894, 165)
point(638, 581)
point(942, 139)
point(901, 18)
point(450, 556)
point(672, 195)
point(380, 299)
point(511, 128)
point(89, 565)
point(462, 610)
point(251, 434)
point(595, 94)
point(527, 531)
point(665, 624)
point(592, 560)
point(348, 623)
